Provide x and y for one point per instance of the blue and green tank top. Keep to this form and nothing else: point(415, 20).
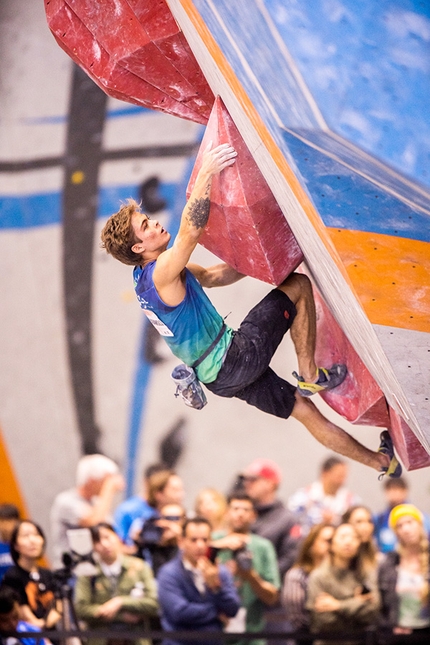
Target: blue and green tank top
point(190, 327)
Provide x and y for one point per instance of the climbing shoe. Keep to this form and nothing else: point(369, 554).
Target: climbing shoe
point(328, 379)
point(394, 468)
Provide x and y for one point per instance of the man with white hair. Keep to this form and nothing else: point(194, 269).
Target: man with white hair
point(87, 504)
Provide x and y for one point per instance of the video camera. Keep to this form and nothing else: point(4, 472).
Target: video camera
point(243, 558)
point(150, 534)
point(79, 557)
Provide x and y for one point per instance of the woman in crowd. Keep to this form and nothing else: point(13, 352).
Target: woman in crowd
point(404, 574)
point(361, 519)
point(341, 596)
point(165, 487)
point(313, 550)
point(33, 583)
point(212, 505)
point(122, 593)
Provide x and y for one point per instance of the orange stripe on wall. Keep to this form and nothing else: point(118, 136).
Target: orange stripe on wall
point(10, 492)
point(391, 276)
point(383, 279)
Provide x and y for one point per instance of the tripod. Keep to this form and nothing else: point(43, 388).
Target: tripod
point(69, 620)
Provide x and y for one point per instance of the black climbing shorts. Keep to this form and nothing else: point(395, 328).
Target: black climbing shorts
point(245, 373)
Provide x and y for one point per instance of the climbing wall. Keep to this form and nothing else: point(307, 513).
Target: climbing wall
point(317, 175)
point(246, 227)
point(134, 51)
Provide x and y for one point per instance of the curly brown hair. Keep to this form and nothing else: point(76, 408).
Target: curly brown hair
point(118, 236)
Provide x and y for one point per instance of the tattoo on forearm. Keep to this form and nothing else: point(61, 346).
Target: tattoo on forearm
point(198, 213)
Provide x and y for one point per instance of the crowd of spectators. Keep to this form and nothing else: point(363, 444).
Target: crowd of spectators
point(241, 562)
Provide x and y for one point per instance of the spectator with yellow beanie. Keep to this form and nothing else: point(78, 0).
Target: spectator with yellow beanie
point(404, 574)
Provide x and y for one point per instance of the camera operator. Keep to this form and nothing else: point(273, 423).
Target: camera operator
point(252, 561)
point(157, 541)
point(122, 594)
point(163, 487)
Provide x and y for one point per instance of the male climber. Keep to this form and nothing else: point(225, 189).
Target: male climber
point(231, 363)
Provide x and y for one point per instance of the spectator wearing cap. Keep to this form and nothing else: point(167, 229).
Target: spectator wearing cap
point(327, 498)
point(404, 574)
point(274, 521)
point(396, 492)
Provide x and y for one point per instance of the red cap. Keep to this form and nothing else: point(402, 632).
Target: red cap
point(265, 468)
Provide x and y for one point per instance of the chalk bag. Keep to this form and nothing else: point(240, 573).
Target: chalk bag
point(188, 387)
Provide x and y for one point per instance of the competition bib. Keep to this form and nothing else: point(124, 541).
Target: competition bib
point(162, 329)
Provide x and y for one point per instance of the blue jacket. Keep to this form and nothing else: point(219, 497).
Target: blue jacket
point(184, 608)
point(26, 627)
point(131, 509)
point(5, 558)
